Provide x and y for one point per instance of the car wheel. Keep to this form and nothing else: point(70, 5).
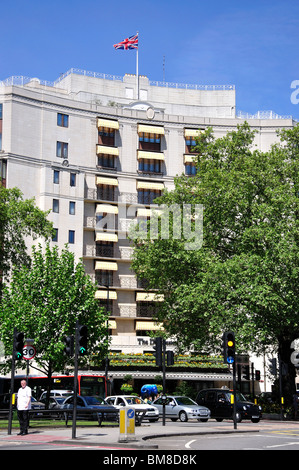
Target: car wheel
point(203, 420)
point(219, 420)
point(173, 419)
point(255, 420)
point(238, 417)
point(183, 417)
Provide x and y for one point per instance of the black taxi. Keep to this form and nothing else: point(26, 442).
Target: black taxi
point(220, 403)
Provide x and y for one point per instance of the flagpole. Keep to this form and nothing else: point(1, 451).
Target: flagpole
point(137, 73)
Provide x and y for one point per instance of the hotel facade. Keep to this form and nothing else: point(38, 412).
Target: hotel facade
point(96, 153)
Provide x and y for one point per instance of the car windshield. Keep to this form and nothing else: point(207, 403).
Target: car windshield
point(134, 401)
point(185, 401)
point(239, 396)
point(93, 401)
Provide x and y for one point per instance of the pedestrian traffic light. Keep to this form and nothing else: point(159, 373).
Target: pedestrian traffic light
point(69, 345)
point(229, 347)
point(18, 344)
point(170, 358)
point(246, 375)
point(158, 350)
point(82, 340)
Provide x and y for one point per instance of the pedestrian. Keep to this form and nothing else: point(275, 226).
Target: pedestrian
point(24, 404)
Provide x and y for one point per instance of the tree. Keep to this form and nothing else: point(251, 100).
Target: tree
point(44, 301)
point(244, 277)
point(19, 219)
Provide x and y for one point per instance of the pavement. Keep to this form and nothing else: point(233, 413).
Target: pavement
point(109, 437)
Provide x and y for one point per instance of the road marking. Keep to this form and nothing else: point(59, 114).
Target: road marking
point(283, 445)
point(291, 432)
point(189, 444)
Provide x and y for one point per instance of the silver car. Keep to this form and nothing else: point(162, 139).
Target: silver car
point(150, 412)
point(182, 408)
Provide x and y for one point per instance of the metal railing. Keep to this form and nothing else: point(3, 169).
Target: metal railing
point(19, 80)
point(22, 81)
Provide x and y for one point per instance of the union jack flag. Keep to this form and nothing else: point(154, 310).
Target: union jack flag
point(128, 43)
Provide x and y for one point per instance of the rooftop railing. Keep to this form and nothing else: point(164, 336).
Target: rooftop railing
point(19, 80)
point(22, 81)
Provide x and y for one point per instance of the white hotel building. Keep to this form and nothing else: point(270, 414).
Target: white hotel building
point(86, 148)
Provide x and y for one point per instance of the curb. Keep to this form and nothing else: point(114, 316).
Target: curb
point(145, 445)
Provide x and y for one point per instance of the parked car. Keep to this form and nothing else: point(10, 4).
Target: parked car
point(218, 400)
point(87, 403)
point(54, 402)
point(182, 408)
point(139, 405)
point(35, 406)
point(57, 393)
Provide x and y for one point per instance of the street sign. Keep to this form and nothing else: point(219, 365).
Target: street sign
point(29, 352)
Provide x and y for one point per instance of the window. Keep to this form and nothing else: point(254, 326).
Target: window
point(55, 235)
point(106, 192)
point(73, 179)
point(106, 136)
point(106, 161)
point(104, 278)
point(105, 249)
point(149, 166)
point(190, 169)
point(62, 149)
point(56, 176)
point(55, 205)
point(3, 170)
point(147, 196)
point(62, 120)
point(71, 236)
point(72, 208)
point(149, 141)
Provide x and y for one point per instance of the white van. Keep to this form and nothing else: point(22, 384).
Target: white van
point(57, 393)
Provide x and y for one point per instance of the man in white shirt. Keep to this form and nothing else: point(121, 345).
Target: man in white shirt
point(24, 404)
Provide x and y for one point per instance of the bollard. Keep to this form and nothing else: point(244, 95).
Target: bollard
point(126, 424)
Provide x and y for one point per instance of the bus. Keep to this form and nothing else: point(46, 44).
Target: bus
point(88, 384)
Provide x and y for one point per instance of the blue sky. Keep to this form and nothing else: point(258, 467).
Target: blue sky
point(253, 45)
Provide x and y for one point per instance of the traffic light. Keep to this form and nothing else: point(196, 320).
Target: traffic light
point(69, 345)
point(246, 375)
point(273, 366)
point(229, 347)
point(158, 348)
point(82, 340)
point(170, 358)
point(257, 375)
point(18, 345)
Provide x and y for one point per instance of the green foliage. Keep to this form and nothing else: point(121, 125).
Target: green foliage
point(45, 300)
point(245, 275)
point(183, 388)
point(149, 360)
point(19, 218)
point(126, 388)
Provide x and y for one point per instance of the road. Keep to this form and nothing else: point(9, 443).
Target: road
point(184, 438)
point(268, 436)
